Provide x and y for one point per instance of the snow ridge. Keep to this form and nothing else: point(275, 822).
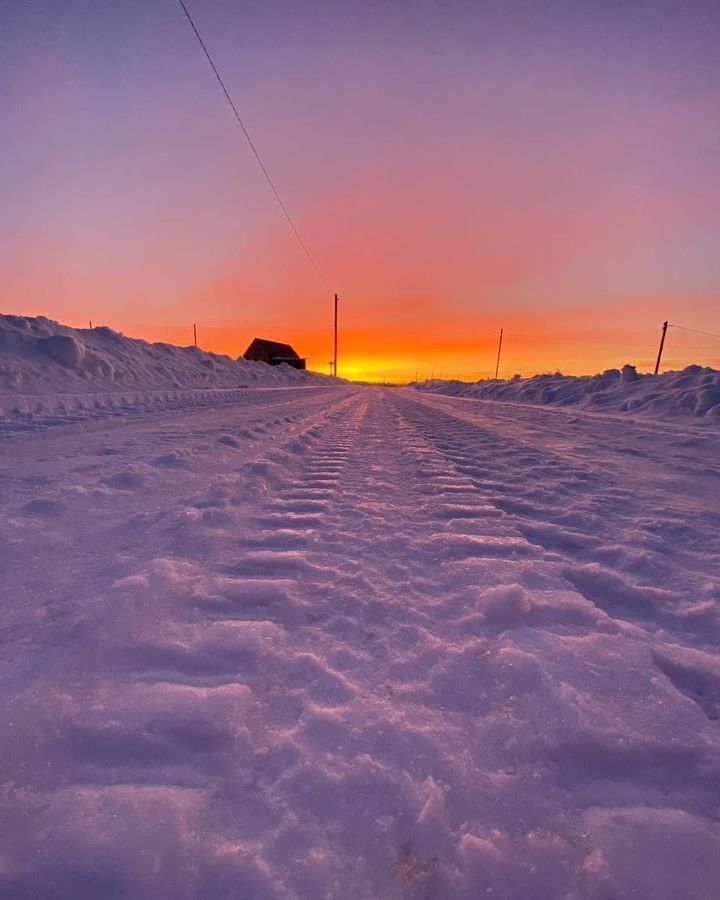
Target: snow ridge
point(695, 391)
point(39, 356)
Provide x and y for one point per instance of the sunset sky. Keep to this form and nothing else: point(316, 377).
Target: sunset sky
point(548, 167)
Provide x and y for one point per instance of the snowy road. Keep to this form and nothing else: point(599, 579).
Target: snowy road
point(360, 642)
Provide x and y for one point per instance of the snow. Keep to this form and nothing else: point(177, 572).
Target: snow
point(695, 391)
point(334, 641)
point(50, 372)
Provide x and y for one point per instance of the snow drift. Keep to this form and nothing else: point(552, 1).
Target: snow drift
point(360, 643)
point(51, 374)
point(39, 356)
point(693, 392)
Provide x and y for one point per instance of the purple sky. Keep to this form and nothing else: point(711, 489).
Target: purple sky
point(549, 167)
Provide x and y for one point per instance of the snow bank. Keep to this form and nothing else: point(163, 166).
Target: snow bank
point(41, 357)
point(360, 643)
point(693, 392)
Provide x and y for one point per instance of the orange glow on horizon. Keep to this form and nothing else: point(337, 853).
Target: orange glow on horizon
point(548, 169)
point(400, 357)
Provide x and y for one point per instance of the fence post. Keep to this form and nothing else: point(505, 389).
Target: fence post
point(335, 338)
point(497, 364)
point(662, 344)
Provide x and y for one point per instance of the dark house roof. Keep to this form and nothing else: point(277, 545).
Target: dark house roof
point(274, 353)
point(275, 349)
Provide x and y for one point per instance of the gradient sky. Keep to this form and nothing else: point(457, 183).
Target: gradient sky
point(455, 167)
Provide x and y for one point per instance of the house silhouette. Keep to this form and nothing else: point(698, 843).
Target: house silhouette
point(274, 353)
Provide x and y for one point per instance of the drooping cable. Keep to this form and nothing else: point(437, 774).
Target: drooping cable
point(695, 331)
point(254, 149)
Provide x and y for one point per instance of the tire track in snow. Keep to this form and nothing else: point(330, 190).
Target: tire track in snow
point(335, 665)
point(68, 498)
point(575, 516)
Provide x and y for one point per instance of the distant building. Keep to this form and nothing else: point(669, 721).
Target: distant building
point(273, 353)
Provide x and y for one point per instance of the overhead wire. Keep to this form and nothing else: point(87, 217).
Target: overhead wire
point(254, 149)
point(695, 330)
point(289, 218)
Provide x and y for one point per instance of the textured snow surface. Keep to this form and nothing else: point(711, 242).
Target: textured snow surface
point(693, 392)
point(360, 643)
point(48, 370)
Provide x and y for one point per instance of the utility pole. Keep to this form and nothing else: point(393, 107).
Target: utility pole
point(497, 364)
point(195, 333)
point(336, 337)
point(662, 344)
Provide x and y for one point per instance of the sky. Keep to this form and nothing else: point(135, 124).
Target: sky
point(549, 168)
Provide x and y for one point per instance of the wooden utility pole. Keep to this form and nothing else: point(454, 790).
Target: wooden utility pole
point(195, 333)
point(662, 344)
point(336, 337)
point(497, 364)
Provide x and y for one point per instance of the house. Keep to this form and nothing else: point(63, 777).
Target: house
point(273, 353)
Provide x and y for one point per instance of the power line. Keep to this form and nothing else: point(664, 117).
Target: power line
point(714, 348)
point(254, 149)
point(546, 338)
point(695, 331)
